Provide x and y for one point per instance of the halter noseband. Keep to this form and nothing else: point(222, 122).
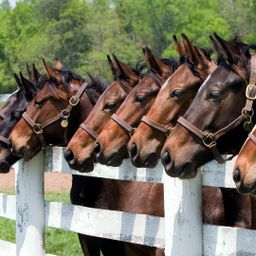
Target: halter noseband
point(209, 139)
point(123, 124)
point(166, 130)
point(38, 128)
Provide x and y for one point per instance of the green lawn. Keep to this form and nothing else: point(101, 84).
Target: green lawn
point(57, 242)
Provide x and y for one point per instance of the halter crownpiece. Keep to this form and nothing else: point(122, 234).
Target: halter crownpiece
point(209, 139)
point(38, 128)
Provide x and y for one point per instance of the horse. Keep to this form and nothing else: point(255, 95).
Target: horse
point(210, 120)
point(79, 152)
point(11, 113)
point(63, 95)
point(110, 146)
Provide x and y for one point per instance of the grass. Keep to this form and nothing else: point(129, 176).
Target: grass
point(58, 242)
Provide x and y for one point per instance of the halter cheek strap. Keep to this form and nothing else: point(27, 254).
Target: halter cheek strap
point(38, 128)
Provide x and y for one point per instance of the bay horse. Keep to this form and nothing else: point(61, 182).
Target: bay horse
point(11, 113)
point(64, 95)
point(244, 174)
point(110, 146)
point(79, 152)
point(210, 120)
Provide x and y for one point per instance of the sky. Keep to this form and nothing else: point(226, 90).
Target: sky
point(12, 2)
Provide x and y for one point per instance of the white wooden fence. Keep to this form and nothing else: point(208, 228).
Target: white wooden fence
point(181, 232)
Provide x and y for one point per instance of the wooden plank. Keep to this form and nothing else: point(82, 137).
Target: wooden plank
point(7, 248)
point(55, 162)
point(226, 241)
point(183, 216)
point(123, 226)
point(4, 97)
point(8, 206)
point(218, 175)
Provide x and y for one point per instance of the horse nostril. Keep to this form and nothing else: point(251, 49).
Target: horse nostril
point(69, 155)
point(97, 148)
point(166, 158)
point(133, 150)
point(237, 175)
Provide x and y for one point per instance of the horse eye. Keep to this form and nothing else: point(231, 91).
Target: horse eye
point(110, 106)
point(38, 103)
point(213, 95)
point(176, 94)
point(140, 98)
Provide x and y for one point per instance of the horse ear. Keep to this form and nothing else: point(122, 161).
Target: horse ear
point(36, 74)
point(152, 62)
point(113, 67)
point(49, 69)
point(30, 90)
point(30, 73)
point(92, 78)
point(125, 72)
point(18, 81)
point(52, 72)
point(223, 49)
point(179, 48)
point(189, 49)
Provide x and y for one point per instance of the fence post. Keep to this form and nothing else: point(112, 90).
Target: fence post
point(30, 207)
point(183, 216)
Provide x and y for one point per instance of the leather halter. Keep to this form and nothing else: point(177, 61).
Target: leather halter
point(38, 128)
point(123, 124)
point(209, 139)
point(166, 130)
point(89, 130)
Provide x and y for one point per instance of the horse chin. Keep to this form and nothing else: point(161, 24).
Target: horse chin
point(185, 171)
point(88, 165)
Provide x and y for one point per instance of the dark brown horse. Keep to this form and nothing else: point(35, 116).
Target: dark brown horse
point(172, 101)
point(11, 113)
point(110, 147)
point(79, 152)
point(212, 116)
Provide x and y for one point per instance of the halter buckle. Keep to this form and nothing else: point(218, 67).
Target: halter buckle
point(209, 140)
point(248, 92)
point(132, 131)
point(38, 129)
point(74, 100)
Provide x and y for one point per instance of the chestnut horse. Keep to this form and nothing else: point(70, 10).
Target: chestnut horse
point(110, 147)
point(79, 152)
point(244, 174)
point(11, 113)
point(210, 120)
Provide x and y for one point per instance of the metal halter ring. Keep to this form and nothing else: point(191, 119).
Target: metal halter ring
point(38, 129)
point(248, 90)
point(74, 100)
point(249, 115)
point(65, 113)
point(132, 131)
point(209, 140)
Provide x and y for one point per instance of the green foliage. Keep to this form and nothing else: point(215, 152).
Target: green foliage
point(82, 32)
